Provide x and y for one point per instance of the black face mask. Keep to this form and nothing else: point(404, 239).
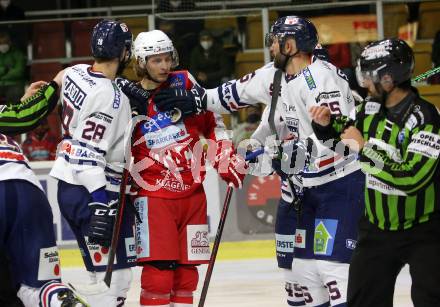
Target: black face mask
point(253, 118)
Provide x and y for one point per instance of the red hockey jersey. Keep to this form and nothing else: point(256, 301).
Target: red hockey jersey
point(169, 155)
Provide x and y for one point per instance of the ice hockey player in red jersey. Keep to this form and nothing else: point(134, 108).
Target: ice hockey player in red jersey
point(169, 167)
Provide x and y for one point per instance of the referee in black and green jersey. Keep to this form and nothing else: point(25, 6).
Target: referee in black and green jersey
point(397, 135)
point(38, 101)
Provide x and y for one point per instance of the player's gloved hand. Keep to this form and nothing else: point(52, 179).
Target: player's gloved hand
point(189, 102)
point(137, 95)
point(231, 166)
point(103, 217)
point(293, 158)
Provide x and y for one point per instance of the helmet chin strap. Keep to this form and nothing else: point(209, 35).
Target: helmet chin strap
point(122, 64)
point(284, 59)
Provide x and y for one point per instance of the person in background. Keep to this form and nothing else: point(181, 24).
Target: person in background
point(245, 129)
point(12, 69)
point(209, 63)
point(40, 144)
point(175, 5)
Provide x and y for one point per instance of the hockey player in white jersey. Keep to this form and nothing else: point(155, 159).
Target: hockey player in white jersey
point(332, 201)
point(90, 158)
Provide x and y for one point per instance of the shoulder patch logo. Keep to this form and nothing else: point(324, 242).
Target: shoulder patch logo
point(309, 78)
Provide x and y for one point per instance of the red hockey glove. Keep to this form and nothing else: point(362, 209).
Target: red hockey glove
point(230, 166)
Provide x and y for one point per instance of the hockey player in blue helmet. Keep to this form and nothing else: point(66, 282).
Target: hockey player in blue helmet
point(95, 113)
point(300, 29)
point(112, 40)
point(332, 199)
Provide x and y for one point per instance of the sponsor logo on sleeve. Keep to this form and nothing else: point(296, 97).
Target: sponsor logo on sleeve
point(375, 184)
point(426, 144)
point(117, 99)
point(309, 78)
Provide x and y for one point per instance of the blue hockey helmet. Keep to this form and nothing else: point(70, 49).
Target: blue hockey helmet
point(109, 38)
point(301, 29)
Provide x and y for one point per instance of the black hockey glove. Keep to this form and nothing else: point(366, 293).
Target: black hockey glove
point(189, 102)
point(137, 95)
point(102, 220)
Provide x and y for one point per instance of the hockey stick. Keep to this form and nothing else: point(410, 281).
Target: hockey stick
point(219, 233)
point(103, 285)
point(215, 246)
point(426, 74)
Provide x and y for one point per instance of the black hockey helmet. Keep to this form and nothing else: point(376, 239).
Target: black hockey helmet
point(391, 57)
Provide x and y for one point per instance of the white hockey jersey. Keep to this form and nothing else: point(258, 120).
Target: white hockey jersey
point(13, 163)
point(320, 83)
point(95, 115)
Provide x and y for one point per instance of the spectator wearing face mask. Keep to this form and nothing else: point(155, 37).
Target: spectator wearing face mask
point(40, 144)
point(175, 6)
point(209, 63)
point(12, 70)
point(244, 130)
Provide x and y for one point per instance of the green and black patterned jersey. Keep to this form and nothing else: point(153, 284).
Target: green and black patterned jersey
point(400, 159)
point(23, 117)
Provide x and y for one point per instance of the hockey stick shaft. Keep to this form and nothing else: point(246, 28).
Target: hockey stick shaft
point(215, 246)
point(117, 227)
point(426, 74)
